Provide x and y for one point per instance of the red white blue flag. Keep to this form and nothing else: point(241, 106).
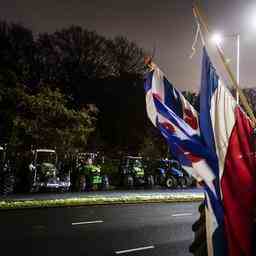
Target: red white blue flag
point(220, 152)
point(178, 122)
point(227, 132)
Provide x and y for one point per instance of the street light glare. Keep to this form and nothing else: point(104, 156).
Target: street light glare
point(217, 38)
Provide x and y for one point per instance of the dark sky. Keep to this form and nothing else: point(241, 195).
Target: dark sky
point(168, 24)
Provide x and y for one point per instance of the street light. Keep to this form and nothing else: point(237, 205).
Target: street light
point(218, 39)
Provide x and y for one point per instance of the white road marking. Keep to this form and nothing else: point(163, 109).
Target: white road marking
point(87, 222)
point(136, 249)
point(182, 214)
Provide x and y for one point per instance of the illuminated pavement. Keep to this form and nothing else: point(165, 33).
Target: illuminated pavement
point(116, 193)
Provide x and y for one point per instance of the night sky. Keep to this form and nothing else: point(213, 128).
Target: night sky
point(167, 24)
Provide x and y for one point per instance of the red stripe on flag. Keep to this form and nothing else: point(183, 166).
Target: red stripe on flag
point(193, 158)
point(239, 188)
point(169, 127)
point(157, 96)
point(190, 119)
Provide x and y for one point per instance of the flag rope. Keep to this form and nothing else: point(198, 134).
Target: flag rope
point(198, 34)
point(193, 47)
point(202, 19)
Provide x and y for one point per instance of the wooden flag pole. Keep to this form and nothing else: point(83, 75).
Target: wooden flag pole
point(199, 15)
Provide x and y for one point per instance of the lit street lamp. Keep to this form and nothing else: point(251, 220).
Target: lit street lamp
point(218, 39)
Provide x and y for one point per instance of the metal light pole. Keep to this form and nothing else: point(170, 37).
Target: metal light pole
point(217, 38)
point(237, 64)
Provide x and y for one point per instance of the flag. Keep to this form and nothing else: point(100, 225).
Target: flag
point(227, 132)
point(178, 122)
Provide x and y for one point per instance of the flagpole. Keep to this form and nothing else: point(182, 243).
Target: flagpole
point(199, 15)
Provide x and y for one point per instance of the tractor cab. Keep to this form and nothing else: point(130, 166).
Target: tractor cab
point(89, 169)
point(45, 156)
point(169, 173)
point(45, 173)
point(132, 172)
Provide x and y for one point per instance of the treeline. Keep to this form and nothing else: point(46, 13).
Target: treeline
point(74, 90)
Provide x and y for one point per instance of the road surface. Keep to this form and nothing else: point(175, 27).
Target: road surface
point(130, 230)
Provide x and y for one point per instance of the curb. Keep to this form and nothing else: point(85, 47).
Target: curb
point(69, 202)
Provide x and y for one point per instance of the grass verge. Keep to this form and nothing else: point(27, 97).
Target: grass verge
point(12, 204)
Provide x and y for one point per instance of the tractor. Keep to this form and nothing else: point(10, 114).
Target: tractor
point(89, 172)
point(132, 173)
point(7, 179)
point(44, 173)
point(169, 173)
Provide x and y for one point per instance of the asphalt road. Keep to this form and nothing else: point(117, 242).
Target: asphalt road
point(144, 229)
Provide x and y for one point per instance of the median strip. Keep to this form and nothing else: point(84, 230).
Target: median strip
point(136, 249)
point(87, 222)
point(182, 214)
point(97, 200)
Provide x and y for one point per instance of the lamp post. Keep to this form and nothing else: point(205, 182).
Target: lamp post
point(217, 39)
point(237, 64)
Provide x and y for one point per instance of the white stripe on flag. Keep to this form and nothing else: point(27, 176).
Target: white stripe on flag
point(223, 120)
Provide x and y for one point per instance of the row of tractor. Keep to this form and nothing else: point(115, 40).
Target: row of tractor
point(83, 172)
point(137, 171)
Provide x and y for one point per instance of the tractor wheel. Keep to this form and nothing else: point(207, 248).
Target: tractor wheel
point(182, 182)
point(63, 189)
point(8, 183)
point(95, 187)
point(150, 181)
point(157, 179)
point(199, 246)
point(83, 183)
point(128, 181)
point(34, 189)
point(170, 182)
point(105, 182)
point(188, 181)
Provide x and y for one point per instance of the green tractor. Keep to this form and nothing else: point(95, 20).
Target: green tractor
point(132, 173)
point(90, 176)
point(45, 174)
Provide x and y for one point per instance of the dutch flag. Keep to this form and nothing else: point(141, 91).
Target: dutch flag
point(228, 133)
point(217, 148)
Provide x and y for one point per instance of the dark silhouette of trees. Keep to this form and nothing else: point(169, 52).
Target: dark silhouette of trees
point(71, 57)
point(17, 51)
point(74, 67)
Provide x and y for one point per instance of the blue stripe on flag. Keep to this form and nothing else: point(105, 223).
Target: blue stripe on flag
point(173, 143)
point(219, 241)
point(172, 98)
point(170, 114)
point(189, 144)
point(216, 205)
point(148, 81)
point(209, 84)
